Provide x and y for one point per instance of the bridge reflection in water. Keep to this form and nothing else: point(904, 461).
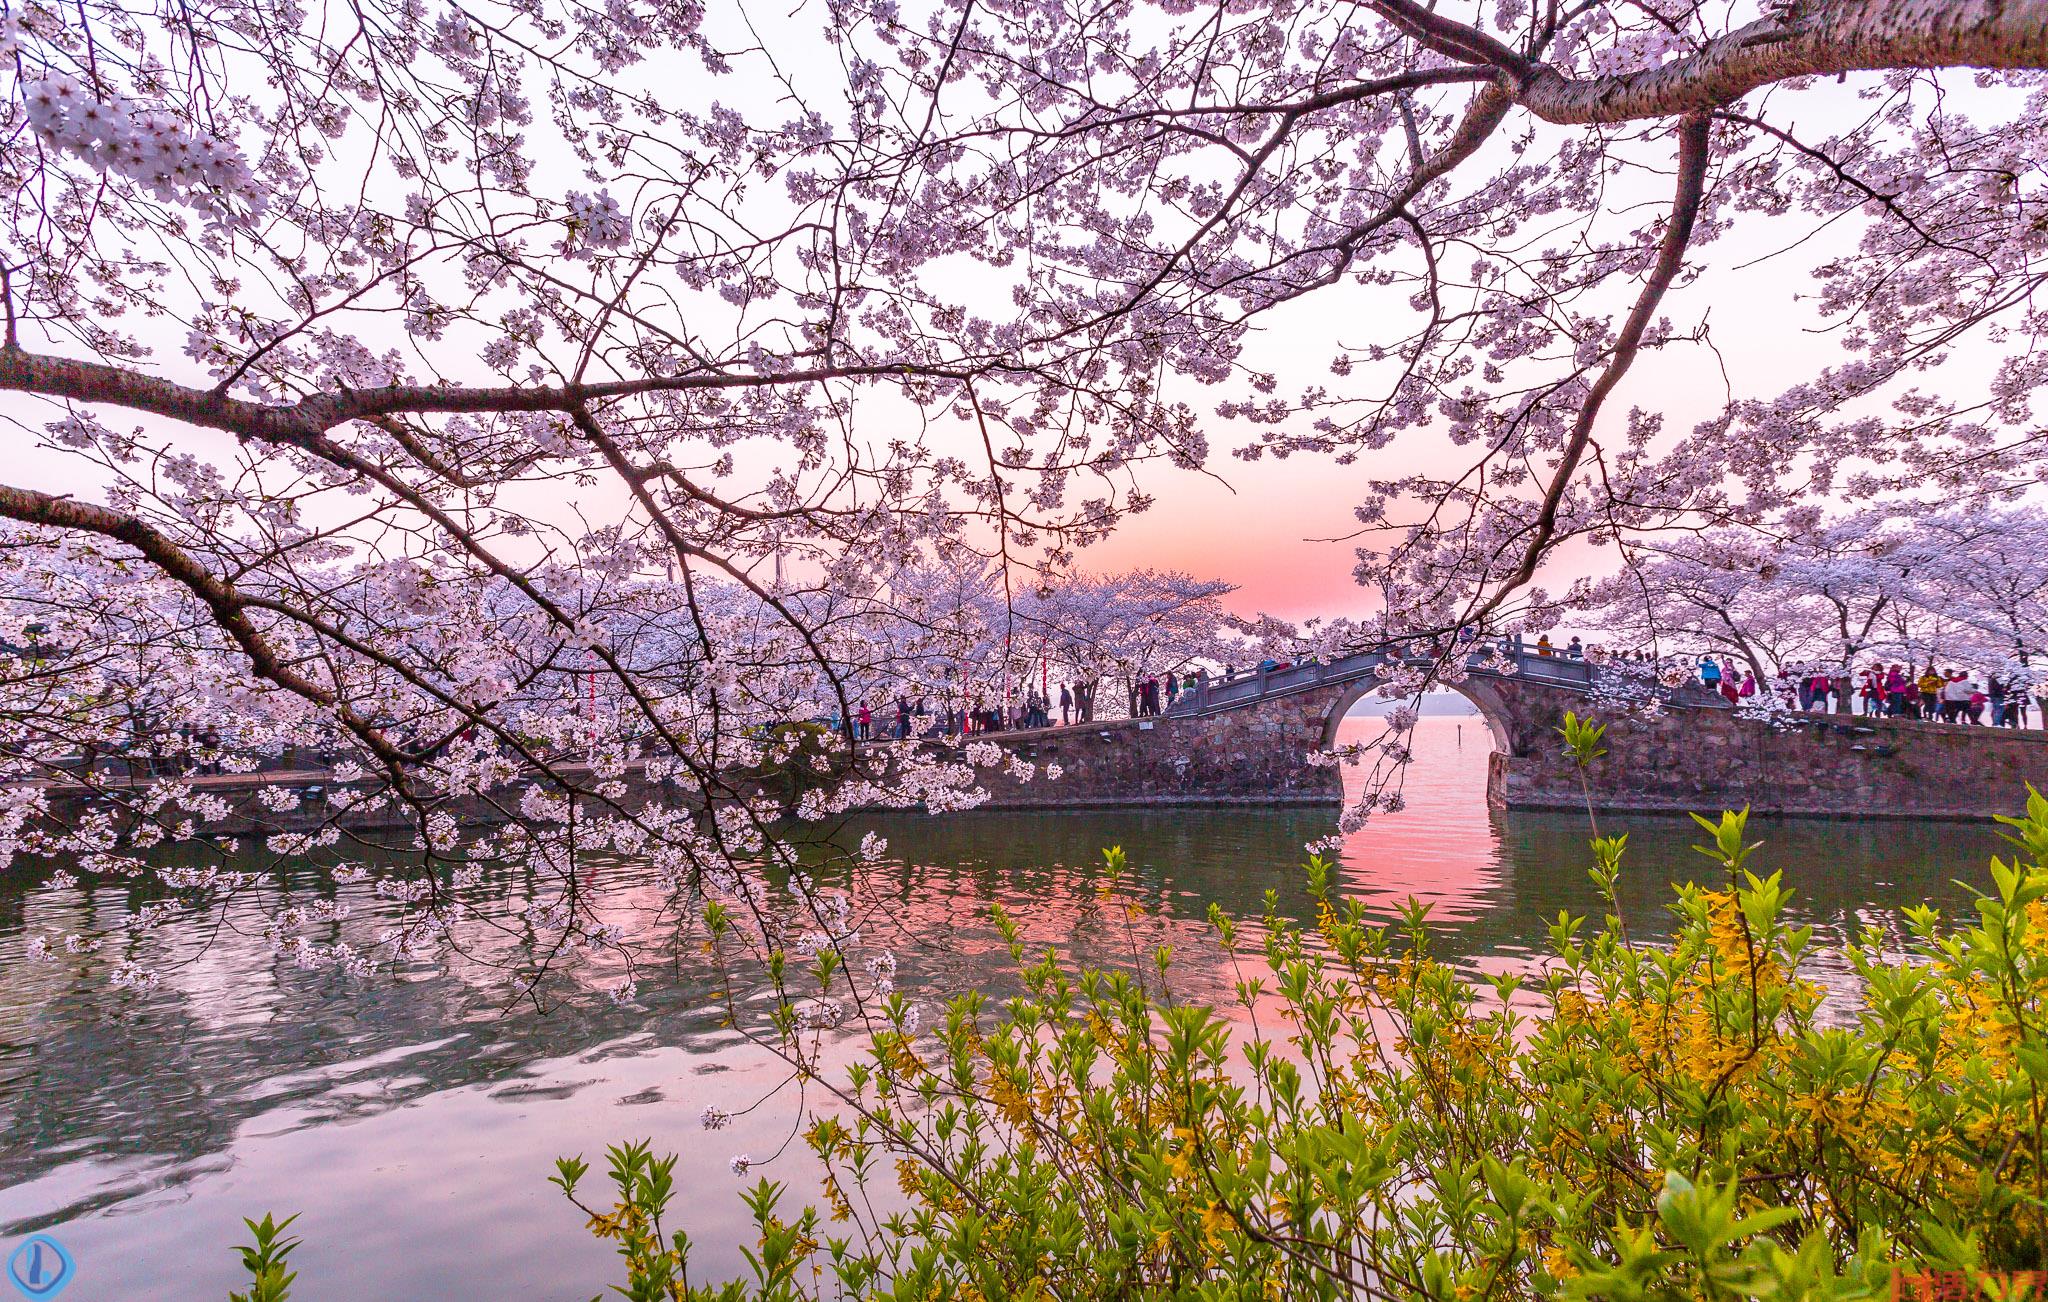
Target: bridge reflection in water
point(414, 1121)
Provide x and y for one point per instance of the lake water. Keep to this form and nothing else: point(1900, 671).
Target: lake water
point(413, 1123)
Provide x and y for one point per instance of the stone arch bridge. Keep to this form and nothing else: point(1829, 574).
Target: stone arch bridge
point(1247, 740)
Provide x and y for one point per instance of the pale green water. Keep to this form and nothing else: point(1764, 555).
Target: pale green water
point(413, 1123)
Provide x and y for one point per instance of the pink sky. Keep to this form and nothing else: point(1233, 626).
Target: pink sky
point(1268, 526)
point(1258, 536)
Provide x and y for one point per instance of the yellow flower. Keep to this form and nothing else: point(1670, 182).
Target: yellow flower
point(1558, 1262)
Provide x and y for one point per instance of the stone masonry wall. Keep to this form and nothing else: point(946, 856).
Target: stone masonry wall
point(1707, 760)
point(1254, 756)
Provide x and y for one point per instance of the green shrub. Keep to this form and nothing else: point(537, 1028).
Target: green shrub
point(266, 1259)
point(1626, 1121)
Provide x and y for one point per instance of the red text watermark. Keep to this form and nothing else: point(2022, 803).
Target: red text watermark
point(1964, 1286)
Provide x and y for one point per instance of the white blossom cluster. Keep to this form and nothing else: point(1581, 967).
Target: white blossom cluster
point(167, 157)
point(1633, 687)
point(595, 222)
point(820, 1014)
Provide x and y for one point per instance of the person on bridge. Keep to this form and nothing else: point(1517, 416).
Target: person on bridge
point(1066, 706)
point(1710, 673)
point(1930, 684)
point(1900, 696)
point(1574, 649)
point(1955, 698)
point(1172, 688)
point(1543, 647)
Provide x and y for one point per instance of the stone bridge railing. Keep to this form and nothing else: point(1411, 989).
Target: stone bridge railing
point(1250, 686)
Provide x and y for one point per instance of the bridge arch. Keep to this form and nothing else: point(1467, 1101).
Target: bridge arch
point(1521, 701)
point(1493, 711)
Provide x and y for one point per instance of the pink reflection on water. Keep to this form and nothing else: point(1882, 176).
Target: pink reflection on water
point(1442, 848)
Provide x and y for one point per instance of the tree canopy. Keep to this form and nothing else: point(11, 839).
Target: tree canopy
point(408, 345)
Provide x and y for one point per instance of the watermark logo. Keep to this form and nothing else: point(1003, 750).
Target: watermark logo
point(40, 1267)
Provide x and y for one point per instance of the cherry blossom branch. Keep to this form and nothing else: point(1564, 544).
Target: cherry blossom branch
point(1685, 207)
point(1799, 38)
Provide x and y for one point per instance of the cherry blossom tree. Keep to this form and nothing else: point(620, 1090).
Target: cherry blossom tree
point(1989, 573)
point(1126, 626)
point(1917, 582)
point(1712, 593)
point(1803, 595)
point(1848, 578)
point(437, 359)
point(961, 634)
point(96, 661)
point(939, 636)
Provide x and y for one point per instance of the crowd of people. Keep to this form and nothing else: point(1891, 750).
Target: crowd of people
point(1028, 706)
point(1881, 691)
point(1895, 691)
point(1876, 690)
